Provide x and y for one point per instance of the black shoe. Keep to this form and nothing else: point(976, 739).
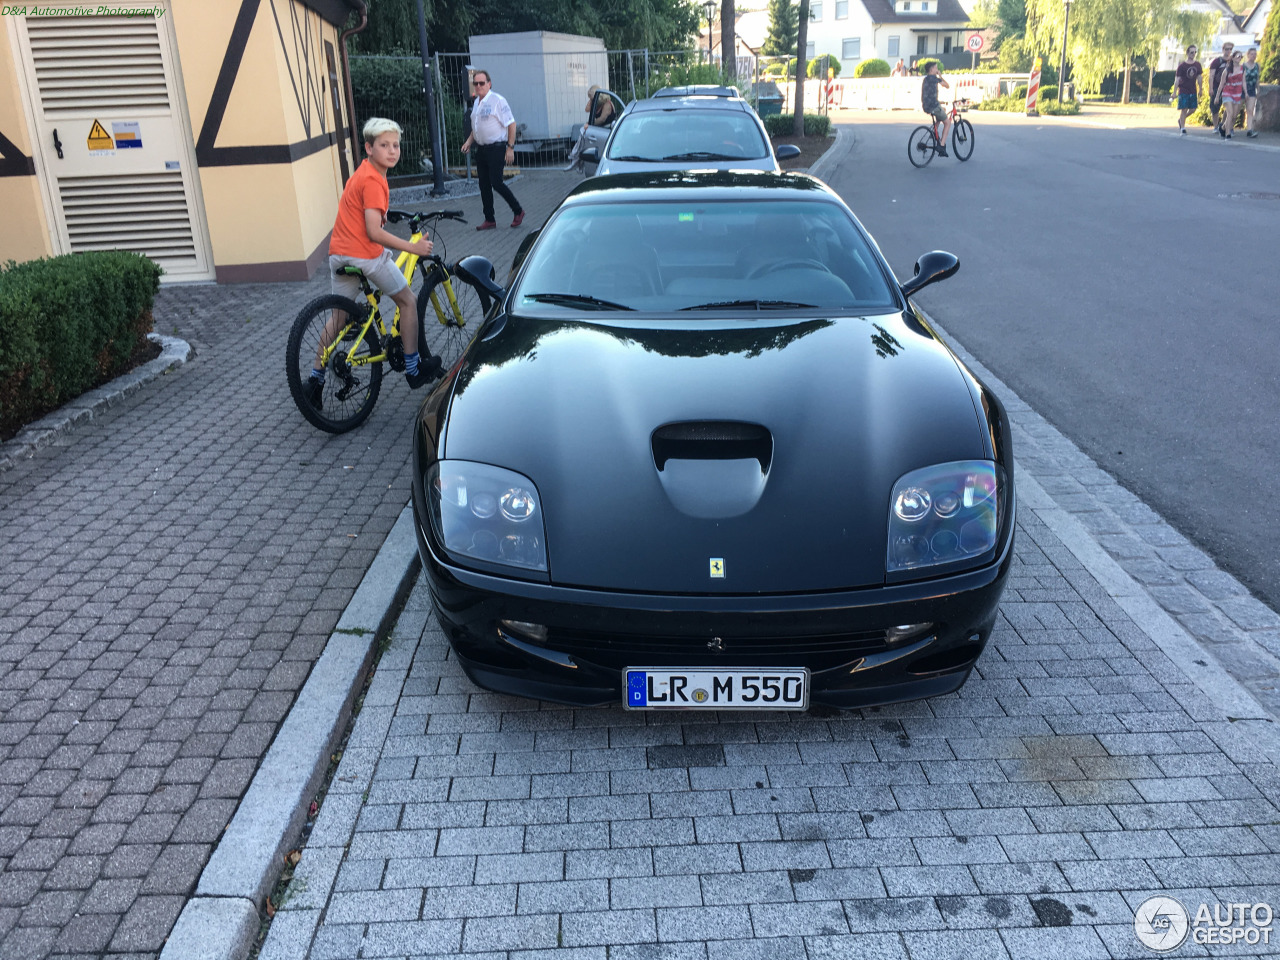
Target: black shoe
point(314, 391)
point(429, 369)
point(942, 152)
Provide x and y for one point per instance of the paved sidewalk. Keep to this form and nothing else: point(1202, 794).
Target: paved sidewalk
point(1094, 759)
point(170, 571)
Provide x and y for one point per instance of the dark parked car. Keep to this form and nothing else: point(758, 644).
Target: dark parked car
point(682, 128)
point(704, 452)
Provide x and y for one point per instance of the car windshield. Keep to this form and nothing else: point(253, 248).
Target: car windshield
point(665, 256)
point(687, 135)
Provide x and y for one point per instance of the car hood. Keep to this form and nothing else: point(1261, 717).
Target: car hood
point(779, 443)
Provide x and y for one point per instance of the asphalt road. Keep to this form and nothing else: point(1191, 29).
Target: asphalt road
point(1108, 277)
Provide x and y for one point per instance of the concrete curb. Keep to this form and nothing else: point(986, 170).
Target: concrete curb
point(828, 158)
point(244, 867)
point(173, 353)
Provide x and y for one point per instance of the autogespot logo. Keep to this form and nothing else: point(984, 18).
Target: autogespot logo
point(1161, 923)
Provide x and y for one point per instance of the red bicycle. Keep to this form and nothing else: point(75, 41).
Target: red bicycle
point(925, 142)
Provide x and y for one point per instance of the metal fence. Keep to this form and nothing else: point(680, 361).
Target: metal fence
point(547, 93)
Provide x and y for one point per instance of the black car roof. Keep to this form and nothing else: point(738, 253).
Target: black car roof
point(700, 184)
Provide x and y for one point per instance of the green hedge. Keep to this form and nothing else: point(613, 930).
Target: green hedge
point(391, 87)
point(66, 325)
point(780, 124)
point(873, 68)
point(1047, 103)
point(815, 67)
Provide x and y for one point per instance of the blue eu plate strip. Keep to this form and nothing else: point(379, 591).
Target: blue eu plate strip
point(637, 692)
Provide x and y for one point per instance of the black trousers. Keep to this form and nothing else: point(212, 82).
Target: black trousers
point(490, 159)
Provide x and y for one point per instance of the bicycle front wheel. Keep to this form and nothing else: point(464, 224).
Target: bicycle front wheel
point(962, 139)
point(443, 330)
point(331, 324)
point(920, 146)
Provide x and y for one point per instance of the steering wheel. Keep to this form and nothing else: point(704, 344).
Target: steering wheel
point(772, 266)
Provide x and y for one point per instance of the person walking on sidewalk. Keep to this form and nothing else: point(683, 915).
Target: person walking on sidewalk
point(1189, 80)
point(493, 133)
point(1231, 93)
point(1251, 70)
point(1217, 66)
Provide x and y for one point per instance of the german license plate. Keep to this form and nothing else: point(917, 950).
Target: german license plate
point(702, 688)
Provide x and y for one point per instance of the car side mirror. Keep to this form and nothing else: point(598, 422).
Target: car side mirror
point(786, 151)
point(930, 268)
point(590, 155)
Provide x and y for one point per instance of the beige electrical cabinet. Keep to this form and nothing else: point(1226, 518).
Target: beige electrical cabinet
point(209, 135)
point(114, 148)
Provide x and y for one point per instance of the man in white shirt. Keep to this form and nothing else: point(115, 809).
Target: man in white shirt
point(493, 133)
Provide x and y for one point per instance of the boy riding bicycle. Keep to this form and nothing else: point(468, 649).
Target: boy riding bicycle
point(360, 239)
point(929, 102)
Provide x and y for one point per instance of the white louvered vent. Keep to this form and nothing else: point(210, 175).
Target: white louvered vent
point(92, 64)
point(145, 213)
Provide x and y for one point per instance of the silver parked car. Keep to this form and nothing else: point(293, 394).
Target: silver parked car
point(679, 128)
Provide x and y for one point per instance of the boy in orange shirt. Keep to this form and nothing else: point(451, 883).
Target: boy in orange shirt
point(361, 239)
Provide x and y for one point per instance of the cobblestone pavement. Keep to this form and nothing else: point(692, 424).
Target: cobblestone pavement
point(169, 572)
point(1078, 772)
point(1081, 770)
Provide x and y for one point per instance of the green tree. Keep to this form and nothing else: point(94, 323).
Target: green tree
point(1012, 15)
point(1107, 35)
point(783, 24)
point(1269, 54)
point(802, 46)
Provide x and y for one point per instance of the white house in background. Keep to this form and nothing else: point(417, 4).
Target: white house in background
point(1228, 31)
point(855, 30)
point(1255, 21)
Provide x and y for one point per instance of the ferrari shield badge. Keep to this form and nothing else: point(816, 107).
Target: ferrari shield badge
point(717, 568)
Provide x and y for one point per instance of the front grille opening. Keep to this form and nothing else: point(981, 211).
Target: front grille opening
point(946, 661)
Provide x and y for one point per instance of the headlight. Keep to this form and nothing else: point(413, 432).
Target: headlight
point(944, 513)
point(486, 513)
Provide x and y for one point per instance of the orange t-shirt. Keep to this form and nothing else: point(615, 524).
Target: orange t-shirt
point(366, 190)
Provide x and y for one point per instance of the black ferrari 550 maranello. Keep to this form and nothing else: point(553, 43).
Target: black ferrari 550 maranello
point(704, 453)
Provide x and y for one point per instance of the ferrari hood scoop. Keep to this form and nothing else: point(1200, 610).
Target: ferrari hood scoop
point(712, 469)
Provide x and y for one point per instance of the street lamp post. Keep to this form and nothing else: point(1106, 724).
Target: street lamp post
point(709, 8)
point(1062, 67)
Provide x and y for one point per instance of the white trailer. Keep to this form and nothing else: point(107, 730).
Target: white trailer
point(545, 77)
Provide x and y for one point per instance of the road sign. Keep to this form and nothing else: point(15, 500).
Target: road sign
point(974, 43)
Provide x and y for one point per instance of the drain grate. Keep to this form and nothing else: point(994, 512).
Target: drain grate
point(1250, 195)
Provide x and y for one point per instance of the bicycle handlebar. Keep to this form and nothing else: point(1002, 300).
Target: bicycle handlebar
point(395, 216)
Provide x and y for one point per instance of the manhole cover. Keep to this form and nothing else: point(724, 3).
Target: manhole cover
point(1249, 196)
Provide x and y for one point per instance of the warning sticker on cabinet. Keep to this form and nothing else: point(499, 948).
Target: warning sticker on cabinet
point(99, 139)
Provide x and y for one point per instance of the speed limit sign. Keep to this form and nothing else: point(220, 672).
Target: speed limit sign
point(974, 43)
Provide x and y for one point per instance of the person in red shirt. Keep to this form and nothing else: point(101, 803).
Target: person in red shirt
point(360, 239)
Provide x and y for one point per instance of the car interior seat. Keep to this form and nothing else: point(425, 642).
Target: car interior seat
point(617, 263)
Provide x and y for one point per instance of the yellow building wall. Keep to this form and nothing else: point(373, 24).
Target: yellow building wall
point(26, 227)
point(271, 216)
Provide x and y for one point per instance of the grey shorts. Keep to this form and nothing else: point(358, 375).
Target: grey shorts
point(381, 271)
point(939, 113)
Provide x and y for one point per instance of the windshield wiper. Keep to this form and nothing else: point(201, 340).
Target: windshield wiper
point(702, 155)
point(758, 304)
point(579, 300)
point(637, 159)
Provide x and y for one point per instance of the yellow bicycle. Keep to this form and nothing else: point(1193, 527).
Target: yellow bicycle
point(351, 341)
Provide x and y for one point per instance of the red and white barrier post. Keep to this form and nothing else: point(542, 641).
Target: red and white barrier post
point(1033, 90)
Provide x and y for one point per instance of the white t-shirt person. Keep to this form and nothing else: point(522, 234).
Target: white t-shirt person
point(490, 117)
